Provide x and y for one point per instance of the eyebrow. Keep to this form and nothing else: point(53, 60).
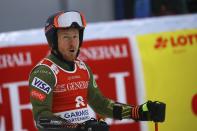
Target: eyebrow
point(66, 33)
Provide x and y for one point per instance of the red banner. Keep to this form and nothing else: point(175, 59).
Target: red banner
point(109, 59)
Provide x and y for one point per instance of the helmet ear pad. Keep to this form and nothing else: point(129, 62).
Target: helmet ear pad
point(52, 38)
point(80, 37)
point(80, 40)
point(51, 31)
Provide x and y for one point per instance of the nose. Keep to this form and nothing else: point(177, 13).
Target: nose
point(70, 41)
point(73, 41)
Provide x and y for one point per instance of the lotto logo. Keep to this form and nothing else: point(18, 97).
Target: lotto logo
point(176, 41)
point(40, 84)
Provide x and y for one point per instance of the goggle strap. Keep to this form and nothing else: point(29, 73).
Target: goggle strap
point(56, 19)
point(83, 19)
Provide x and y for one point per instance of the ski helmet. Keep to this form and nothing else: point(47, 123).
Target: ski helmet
point(61, 20)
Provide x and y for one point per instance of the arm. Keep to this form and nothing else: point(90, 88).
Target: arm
point(41, 82)
point(101, 104)
point(41, 100)
point(146, 112)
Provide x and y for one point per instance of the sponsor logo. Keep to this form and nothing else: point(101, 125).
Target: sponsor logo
point(81, 65)
point(194, 104)
point(94, 83)
point(104, 52)
point(80, 101)
point(48, 27)
point(15, 60)
point(72, 86)
point(55, 69)
point(161, 43)
point(74, 77)
point(38, 95)
point(42, 72)
point(76, 116)
point(40, 84)
point(54, 122)
point(175, 41)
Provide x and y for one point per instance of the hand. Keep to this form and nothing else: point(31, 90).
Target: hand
point(54, 122)
point(154, 111)
point(94, 125)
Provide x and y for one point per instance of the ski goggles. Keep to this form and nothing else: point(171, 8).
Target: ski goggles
point(66, 19)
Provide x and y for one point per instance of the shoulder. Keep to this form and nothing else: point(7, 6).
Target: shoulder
point(42, 70)
point(92, 82)
point(81, 64)
point(43, 73)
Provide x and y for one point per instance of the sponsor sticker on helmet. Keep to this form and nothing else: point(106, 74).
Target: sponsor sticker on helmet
point(41, 85)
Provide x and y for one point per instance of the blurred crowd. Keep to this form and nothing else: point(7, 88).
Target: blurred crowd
point(149, 8)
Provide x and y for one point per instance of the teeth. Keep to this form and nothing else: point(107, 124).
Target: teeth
point(72, 50)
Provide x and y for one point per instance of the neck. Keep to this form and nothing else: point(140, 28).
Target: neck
point(60, 57)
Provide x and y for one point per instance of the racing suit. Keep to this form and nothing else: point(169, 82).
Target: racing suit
point(67, 89)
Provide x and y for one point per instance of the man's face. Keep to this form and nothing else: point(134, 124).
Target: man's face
point(68, 43)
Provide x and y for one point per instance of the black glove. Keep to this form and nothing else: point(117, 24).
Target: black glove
point(157, 110)
point(93, 125)
point(55, 123)
point(149, 111)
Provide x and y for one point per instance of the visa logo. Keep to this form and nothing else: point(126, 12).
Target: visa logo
point(41, 85)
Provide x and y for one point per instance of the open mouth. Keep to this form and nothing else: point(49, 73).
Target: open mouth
point(72, 50)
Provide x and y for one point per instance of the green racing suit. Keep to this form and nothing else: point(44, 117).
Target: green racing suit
point(43, 106)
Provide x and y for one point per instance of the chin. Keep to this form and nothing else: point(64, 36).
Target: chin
point(69, 59)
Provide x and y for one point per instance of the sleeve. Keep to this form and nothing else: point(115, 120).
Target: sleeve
point(41, 83)
point(104, 106)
